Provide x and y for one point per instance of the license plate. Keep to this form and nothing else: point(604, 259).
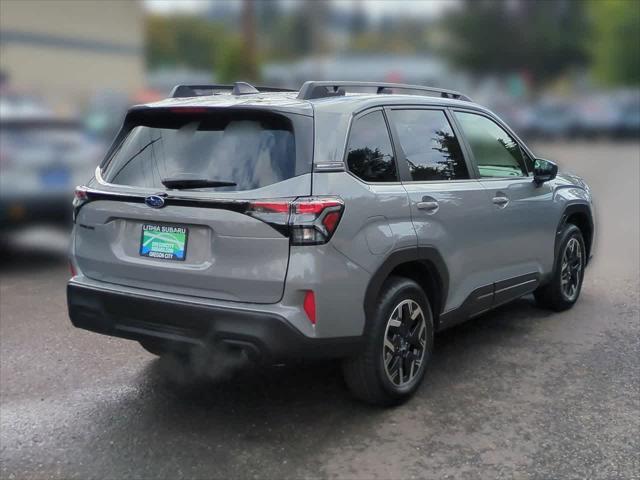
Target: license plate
point(167, 242)
point(57, 177)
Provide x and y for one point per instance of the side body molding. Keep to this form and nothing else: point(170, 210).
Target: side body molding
point(488, 297)
point(482, 299)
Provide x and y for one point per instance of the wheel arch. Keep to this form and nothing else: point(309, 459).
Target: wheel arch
point(424, 265)
point(579, 215)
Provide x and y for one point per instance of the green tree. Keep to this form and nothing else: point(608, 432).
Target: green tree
point(616, 41)
point(541, 38)
point(183, 41)
point(233, 64)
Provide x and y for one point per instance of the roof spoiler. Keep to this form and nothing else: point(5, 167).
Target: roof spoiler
point(312, 89)
point(238, 88)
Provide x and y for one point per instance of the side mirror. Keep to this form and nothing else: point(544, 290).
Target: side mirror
point(544, 170)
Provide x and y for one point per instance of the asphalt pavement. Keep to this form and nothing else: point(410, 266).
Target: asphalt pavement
point(517, 393)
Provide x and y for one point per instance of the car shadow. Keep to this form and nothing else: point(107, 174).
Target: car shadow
point(292, 411)
point(284, 388)
point(302, 383)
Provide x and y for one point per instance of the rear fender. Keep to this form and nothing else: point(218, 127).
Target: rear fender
point(429, 255)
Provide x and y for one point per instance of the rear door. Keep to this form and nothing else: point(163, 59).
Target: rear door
point(523, 231)
point(448, 206)
point(224, 242)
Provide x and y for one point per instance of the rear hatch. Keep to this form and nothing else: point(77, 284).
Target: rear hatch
point(219, 231)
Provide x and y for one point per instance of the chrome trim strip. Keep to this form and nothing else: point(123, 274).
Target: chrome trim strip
point(329, 167)
point(517, 285)
point(481, 297)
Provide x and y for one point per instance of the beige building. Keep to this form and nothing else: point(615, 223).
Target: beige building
point(67, 50)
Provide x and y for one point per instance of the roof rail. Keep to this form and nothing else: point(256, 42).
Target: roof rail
point(312, 89)
point(238, 88)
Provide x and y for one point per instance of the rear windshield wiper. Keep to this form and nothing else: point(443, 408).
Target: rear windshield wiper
point(187, 183)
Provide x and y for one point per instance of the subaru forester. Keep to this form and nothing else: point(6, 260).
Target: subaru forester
point(347, 220)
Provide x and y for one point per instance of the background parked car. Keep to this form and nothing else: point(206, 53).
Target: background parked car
point(598, 116)
point(42, 157)
point(552, 119)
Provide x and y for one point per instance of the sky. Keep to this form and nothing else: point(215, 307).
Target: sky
point(376, 8)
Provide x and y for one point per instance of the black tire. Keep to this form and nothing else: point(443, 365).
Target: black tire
point(366, 374)
point(155, 348)
point(553, 295)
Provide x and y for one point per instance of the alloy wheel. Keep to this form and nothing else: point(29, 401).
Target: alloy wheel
point(571, 269)
point(405, 340)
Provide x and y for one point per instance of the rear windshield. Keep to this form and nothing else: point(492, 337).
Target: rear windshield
point(250, 150)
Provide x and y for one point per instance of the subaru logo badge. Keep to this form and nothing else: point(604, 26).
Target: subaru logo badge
point(154, 201)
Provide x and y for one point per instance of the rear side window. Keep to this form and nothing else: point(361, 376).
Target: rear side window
point(431, 148)
point(250, 151)
point(369, 153)
point(496, 153)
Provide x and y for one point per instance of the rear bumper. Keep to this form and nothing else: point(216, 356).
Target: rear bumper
point(263, 335)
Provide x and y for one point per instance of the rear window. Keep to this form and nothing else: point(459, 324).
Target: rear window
point(369, 152)
point(251, 150)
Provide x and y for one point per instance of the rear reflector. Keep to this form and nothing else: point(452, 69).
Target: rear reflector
point(309, 306)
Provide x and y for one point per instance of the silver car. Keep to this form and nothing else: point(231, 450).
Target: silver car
point(42, 157)
point(346, 219)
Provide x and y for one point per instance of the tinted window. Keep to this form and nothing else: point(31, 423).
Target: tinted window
point(495, 152)
point(432, 150)
point(249, 152)
point(370, 155)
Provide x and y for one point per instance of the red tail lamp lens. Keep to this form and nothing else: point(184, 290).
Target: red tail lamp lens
point(315, 206)
point(309, 306)
point(307, 220)
point(80, 194)
point(315, 219)
point(275, 206)
point(330, 221)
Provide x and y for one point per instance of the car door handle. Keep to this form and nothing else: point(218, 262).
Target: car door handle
point(500, 201)
point(429, 206)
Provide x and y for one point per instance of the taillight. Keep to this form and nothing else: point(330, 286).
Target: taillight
point(307, 220)
point(80, 197)
point(72, 269)
point(314, 219)
point(274, 212)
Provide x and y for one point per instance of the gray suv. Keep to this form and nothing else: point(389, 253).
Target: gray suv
point(348, 220)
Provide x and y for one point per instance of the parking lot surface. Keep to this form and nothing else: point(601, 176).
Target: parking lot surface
point(517, 393)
